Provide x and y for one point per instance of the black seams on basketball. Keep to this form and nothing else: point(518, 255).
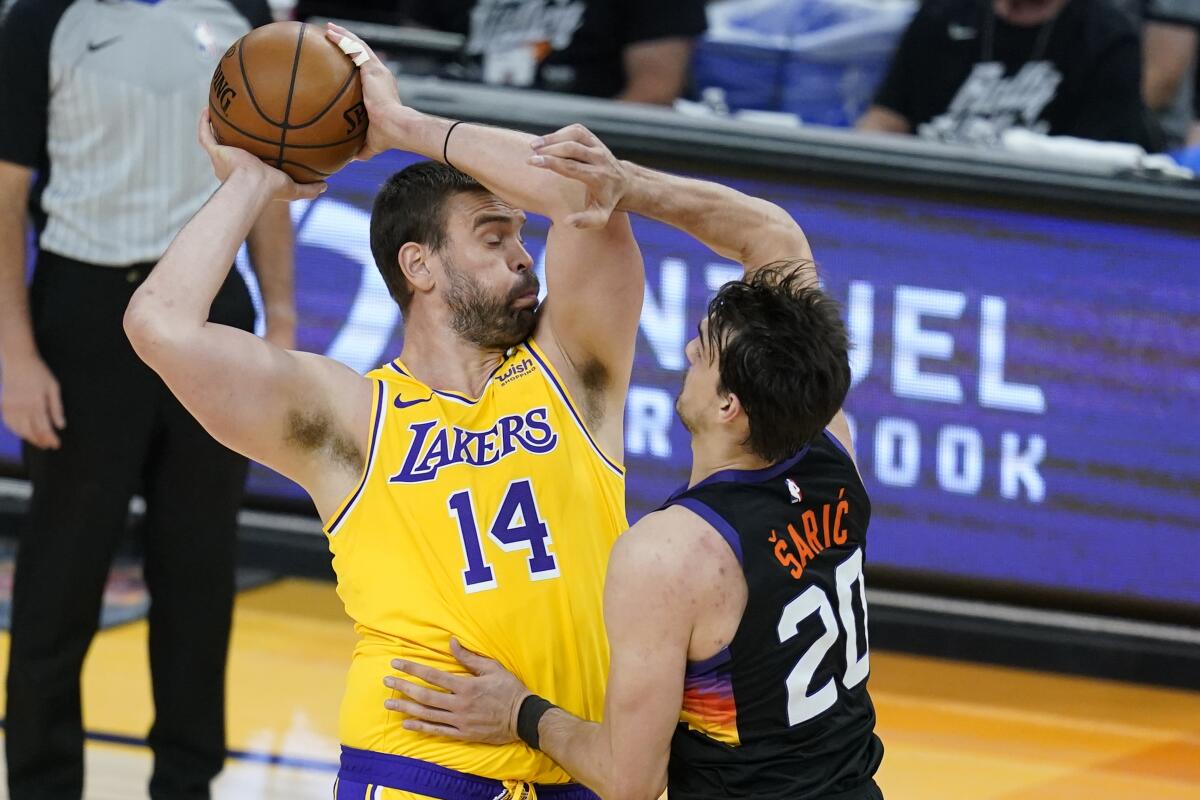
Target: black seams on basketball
point(291, 97)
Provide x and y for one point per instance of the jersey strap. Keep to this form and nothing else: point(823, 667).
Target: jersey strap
point(377, 418)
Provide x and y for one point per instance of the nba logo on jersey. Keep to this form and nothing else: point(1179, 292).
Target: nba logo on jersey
point(794, 490)
point(206, 40)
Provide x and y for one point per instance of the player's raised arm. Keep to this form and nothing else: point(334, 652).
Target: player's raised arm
point(273, 405)
point(594, 271)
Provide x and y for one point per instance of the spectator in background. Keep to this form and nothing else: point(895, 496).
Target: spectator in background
point(1169, 51)
point(968, 70)
point(633, 50)
point(101, 103)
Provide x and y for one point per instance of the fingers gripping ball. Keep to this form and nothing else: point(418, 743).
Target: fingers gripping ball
point(291, 97)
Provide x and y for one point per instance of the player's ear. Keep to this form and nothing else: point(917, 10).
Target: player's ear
point(729, 407)
point(414, 264)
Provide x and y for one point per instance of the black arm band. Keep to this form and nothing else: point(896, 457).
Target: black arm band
point(533, 708)
point(446, 143)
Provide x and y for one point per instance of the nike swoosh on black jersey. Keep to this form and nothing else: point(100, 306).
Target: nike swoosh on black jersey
point(94, 46)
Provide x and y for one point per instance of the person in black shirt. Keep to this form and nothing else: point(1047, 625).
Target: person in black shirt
point(634, 50)
point(968, 70)
point(736, 613)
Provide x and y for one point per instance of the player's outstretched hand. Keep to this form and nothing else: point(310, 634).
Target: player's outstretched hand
point(575, 152)
point(226, 159)
point(381, 96)
point(481, 707)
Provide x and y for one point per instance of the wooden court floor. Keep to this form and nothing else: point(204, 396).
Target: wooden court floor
point(951, 730)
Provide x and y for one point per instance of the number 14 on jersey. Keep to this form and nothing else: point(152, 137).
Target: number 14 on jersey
point(516, 526)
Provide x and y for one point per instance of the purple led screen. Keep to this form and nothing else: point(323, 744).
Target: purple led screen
point(1026, 399)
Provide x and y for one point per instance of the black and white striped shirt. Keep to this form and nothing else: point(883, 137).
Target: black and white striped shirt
point(102, 98)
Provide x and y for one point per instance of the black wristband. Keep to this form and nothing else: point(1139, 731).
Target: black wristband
point(446, 144)
point(533, 708)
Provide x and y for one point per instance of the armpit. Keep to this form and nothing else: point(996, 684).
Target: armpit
point(595, 379)
point(314, 432)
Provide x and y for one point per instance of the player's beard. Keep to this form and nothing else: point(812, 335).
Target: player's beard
point(491, 323)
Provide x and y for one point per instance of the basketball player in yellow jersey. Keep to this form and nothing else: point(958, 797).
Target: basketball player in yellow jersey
point(473, 485)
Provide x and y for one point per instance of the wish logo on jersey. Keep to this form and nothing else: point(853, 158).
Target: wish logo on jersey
point(517, 370)
point(435, 445)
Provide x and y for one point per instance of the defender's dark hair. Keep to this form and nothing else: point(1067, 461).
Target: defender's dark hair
point(782, 348)
point(411, 207)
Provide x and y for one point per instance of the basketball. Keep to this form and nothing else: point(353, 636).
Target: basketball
point(291, 97)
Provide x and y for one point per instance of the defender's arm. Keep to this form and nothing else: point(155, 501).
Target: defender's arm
point(651, 597)
point(754, 232)
point(749, 230)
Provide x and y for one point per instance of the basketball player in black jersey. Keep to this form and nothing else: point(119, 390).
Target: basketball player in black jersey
point(736, 613)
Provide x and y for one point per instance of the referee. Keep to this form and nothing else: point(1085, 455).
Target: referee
point(98, 109)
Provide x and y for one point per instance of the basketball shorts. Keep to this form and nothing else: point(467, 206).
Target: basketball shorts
point(365, 775)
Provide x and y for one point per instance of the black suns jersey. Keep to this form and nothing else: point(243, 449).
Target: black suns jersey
point(783, 710)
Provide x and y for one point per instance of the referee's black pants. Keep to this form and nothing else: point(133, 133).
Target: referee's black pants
point(125, 434)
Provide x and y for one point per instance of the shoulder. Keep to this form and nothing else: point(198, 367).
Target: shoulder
point(389, 372)
point(671, 547)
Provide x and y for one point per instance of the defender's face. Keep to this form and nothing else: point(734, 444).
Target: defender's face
point(699, 398)
point(1027, 13)
point(485, 273)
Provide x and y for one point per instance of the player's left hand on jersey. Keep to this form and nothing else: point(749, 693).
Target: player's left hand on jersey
point(227, 160)
point(480, 707)
point(575, 152)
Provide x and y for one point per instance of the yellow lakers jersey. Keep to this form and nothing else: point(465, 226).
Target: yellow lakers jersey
point(488, 519)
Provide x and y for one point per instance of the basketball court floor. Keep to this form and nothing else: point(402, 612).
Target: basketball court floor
point(951, 730)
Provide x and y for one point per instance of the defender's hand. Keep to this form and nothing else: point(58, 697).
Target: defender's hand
point(575, 152)
point(482, 708)
point(31, 402)
point(226, 160)
point(381, 96)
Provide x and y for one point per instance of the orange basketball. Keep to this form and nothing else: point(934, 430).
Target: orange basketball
point(291, 97)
